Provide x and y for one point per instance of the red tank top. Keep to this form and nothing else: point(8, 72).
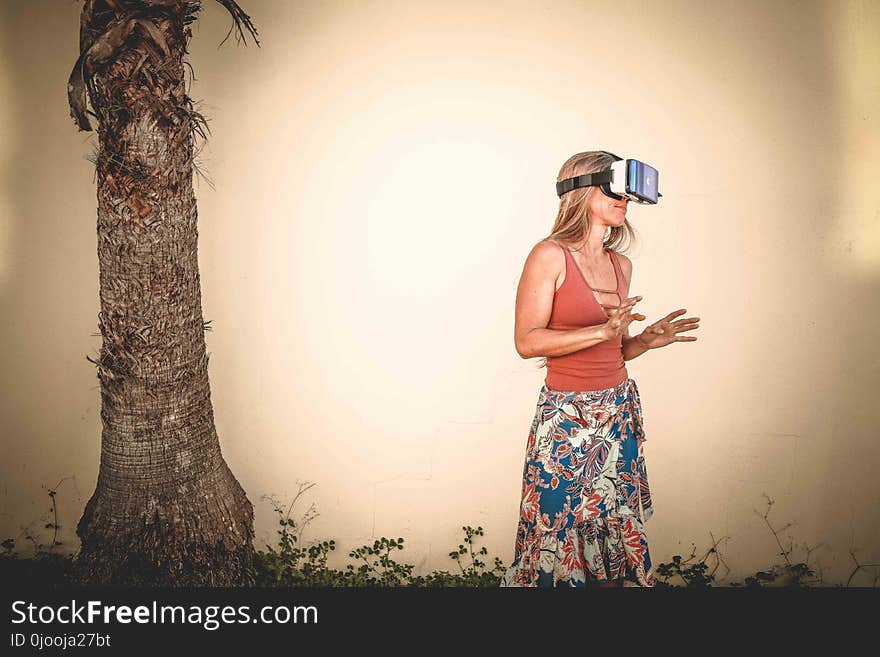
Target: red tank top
point(574, 306)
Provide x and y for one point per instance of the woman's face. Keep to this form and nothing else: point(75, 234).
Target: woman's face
point(607, 210)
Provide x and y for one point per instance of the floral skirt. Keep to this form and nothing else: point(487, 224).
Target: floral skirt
point(585, 494)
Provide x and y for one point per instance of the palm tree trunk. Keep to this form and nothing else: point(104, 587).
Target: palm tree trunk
point(167, 510)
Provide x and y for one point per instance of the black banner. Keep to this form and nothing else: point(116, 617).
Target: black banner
point(111, 620)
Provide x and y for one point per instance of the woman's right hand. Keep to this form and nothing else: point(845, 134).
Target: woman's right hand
point(620, 317)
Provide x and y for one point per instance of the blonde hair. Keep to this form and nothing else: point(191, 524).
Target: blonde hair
point(573, 219)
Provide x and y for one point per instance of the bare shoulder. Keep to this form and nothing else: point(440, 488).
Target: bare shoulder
point(547, 256)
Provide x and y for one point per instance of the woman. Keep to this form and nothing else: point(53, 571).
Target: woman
point(585, 495)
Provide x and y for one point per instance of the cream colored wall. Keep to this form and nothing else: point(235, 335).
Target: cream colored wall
point(381, 170)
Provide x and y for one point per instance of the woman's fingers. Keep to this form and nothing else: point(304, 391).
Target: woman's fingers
point(619, 319)
point(688, 324)
point(674, 313)
point(624, 319)
point(629, 303)
point(622, 308)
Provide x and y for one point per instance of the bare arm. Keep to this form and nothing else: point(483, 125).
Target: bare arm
point(631, 346)
point(534, 303)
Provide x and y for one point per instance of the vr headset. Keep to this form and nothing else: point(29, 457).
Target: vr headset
point(627, 178)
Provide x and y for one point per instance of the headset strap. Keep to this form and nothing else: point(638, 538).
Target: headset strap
point(586, 180)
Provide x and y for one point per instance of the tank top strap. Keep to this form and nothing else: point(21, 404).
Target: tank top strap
point(621, 281)
point(566, 256)
point(564, 250)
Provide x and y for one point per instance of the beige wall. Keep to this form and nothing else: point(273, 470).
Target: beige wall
point(382, 169)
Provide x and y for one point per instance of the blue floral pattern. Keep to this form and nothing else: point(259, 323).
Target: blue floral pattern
point(585, 494)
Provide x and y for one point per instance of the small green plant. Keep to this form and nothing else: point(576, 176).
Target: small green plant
point(378, 567)
point(698, 574)
point(474, 573)
point(790, 574)
point(47, 567)
point(290, 563)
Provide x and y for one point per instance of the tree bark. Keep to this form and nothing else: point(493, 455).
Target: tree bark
point(166, 510)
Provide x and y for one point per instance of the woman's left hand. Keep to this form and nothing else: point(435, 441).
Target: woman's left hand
point(665, 331)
